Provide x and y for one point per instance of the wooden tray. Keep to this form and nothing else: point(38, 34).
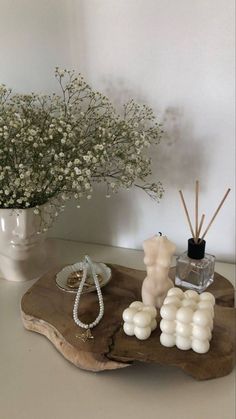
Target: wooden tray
point(48, 310)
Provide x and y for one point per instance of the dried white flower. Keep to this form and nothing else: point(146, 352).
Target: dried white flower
point(56, 147)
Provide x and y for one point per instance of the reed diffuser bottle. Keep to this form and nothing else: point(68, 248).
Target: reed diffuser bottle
point(195, 268)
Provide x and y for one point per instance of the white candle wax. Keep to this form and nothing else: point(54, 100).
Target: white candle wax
point(187, 320)
point(158, 252)
point(139, 320)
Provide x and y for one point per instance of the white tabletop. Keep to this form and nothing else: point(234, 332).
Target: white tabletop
point(36, 382)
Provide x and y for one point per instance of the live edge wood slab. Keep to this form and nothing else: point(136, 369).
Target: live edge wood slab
point(48, 310)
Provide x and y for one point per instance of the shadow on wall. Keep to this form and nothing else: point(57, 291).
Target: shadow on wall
point(180, 157)
point(119, 93)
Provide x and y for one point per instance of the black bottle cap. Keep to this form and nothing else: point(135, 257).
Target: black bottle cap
point(196, 250)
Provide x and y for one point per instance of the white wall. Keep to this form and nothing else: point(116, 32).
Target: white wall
point(178, 56)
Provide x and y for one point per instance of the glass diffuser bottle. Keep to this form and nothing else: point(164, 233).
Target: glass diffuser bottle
point(195, 268)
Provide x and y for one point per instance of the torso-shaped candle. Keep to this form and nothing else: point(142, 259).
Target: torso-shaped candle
point(158, 252)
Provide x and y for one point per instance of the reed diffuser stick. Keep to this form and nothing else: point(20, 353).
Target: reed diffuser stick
point(196, 208)
point(215, 214)
point(187, 214)
point(200, 227)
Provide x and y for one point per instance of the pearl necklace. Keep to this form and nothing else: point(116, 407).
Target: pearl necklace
point(88, 335)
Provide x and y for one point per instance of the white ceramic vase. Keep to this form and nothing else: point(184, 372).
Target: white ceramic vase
point(25, 253)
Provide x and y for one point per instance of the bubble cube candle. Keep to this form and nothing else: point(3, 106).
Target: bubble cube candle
point(187, 320)
point(139, 320)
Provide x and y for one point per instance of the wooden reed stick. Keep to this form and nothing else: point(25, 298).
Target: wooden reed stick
point(215, 214)
point(200, 226)
point(187, 214)
point(196, 208)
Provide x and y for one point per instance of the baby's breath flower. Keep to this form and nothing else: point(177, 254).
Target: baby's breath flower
point(56, 147)
point(77, 170)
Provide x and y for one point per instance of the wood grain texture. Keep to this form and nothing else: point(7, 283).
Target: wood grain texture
point(48, 310)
